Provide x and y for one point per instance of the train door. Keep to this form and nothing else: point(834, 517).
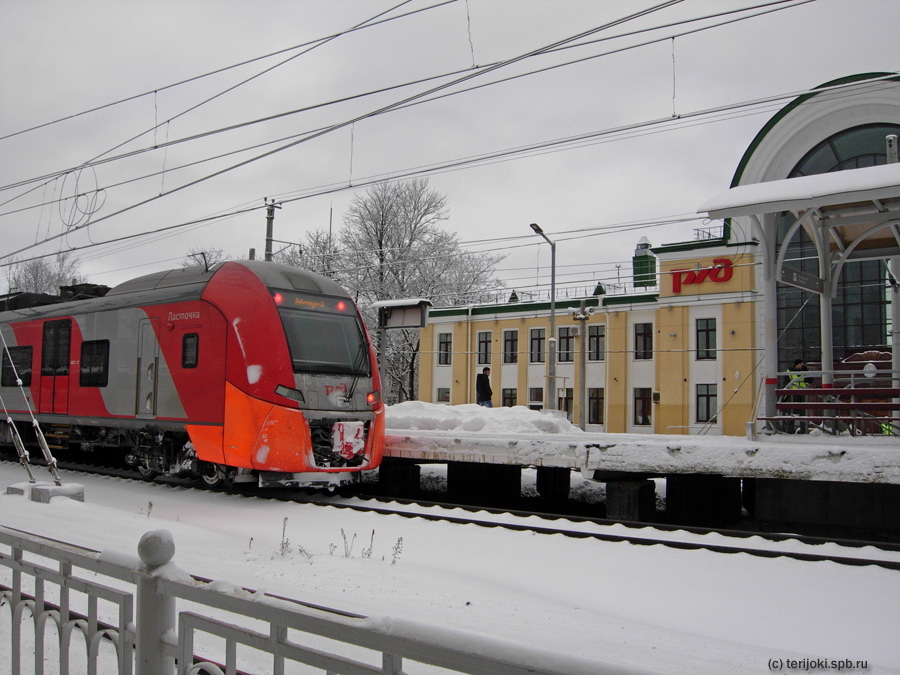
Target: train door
point(147, 369)
point(55, 359)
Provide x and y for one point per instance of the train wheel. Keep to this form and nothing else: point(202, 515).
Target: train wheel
point(146, 472)
point(212, 476)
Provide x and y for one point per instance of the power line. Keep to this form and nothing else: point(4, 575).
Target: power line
point(367, 24)
point(475, 70)
point(378, 111)
point(505, 153)
point(481, 159)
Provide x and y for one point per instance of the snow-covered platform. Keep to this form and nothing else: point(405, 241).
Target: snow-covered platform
point(522, 437)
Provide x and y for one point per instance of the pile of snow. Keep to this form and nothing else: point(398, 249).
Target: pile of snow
point(420, 416)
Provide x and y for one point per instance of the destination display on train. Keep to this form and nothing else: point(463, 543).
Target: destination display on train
point(315, 303)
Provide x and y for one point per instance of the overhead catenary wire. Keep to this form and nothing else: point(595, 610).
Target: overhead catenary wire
point(367, 24)
point(378, 111)
point(428, 79)
point(305, 196)
point(356, 185)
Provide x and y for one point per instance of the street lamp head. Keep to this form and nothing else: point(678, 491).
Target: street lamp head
point(537, 228)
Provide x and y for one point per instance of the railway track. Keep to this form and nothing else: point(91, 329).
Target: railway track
point(762, 544)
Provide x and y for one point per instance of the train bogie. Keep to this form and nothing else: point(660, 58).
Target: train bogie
point(248, 371)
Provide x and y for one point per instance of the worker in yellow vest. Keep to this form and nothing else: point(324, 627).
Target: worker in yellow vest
point(797, 381)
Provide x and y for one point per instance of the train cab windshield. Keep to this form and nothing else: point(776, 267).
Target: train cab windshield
point(324, 334)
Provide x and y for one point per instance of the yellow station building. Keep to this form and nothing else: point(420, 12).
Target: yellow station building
point(679, 348)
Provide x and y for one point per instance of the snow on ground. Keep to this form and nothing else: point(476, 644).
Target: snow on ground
point(663, 610)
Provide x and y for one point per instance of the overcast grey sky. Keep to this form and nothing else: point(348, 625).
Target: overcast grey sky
point(59, 58)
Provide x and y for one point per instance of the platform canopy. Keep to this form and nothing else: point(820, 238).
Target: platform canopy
point(857, 210)
point(849, 215)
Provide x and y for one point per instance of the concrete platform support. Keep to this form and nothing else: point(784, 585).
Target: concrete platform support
point(704, 500)
point(399, 479)
point(42, 492)
point(856, 505)
point(553, 483)
point(485, 484)
point(631, 500)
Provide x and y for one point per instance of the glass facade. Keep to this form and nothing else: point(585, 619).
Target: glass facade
point(860, 307)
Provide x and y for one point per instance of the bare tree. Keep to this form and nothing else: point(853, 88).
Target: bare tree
point(44, 275)
point(318, 253)
point(392, 246)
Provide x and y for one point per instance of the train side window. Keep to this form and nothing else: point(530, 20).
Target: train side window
point(21, 359)
point(94, 363)
point(55, 348)
point(190, 350)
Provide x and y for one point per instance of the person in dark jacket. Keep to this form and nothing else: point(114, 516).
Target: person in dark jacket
point(483, 390)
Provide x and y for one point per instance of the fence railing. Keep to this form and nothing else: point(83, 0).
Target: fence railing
point(861, 402)
point(131, 617)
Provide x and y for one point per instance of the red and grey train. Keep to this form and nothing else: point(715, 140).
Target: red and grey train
point(248, 371)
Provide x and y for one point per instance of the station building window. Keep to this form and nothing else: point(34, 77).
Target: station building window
point(535, 398)
point(510, 346)
point(567, 344)
point(706, 339)
point(643, 341)
point(484, 347)
point(508, 397)
point(445, 348)
point(707, 402)
point(596, 343)
point(595, 405)
point(565, 402)
point(443, 395)
point(537, 340)
point(642, 406)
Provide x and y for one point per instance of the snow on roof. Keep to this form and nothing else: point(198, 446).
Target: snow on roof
point(401, 302)
point(792, 194)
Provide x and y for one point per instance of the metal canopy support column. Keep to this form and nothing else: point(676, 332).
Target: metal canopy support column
point(893, 157)
point(895, 325)
point(826, 298)
point(765, 232)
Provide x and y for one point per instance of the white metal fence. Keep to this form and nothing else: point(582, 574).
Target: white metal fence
point(121, 612)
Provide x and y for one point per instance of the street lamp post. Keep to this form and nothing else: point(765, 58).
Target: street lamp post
point(551, 377)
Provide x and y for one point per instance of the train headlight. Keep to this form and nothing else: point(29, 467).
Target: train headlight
point(373, 397)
